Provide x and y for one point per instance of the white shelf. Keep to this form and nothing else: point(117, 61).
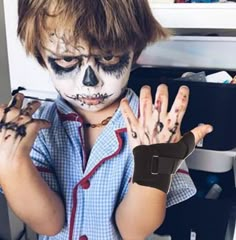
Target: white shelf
point(196, 15)
point(191, 52)
point(211, 161)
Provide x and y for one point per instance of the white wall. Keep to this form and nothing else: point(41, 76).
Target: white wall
point(24, 71)
point(4, 75)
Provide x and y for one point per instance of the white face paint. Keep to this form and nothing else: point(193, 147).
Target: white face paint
point(87, 81)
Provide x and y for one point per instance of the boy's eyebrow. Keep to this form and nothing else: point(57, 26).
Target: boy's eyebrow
point(56, 56)
point(78, 48)
point(97, 53)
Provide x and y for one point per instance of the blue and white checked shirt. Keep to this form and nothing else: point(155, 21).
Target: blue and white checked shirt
point(92, 186)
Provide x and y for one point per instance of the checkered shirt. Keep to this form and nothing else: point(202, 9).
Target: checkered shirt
point(91, 186)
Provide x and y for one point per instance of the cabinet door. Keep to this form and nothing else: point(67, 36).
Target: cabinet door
point(195, 15)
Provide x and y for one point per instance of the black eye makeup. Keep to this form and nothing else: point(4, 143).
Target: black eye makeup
point(113, 64)
point(65, 64)
point(110, 64)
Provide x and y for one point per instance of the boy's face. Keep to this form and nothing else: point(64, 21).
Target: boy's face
point(85, 78)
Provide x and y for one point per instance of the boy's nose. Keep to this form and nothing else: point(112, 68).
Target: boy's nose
point(90, 79)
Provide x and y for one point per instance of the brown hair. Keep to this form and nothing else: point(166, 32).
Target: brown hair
point(114, 25)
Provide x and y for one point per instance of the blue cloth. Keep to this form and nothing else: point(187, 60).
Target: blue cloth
point(91, 186)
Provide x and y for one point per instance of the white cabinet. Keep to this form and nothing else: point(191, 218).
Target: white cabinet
point(196, 15)
point(205, 36)
point(202, 52)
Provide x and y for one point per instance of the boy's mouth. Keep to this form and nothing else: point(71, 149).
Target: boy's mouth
point(95, 99)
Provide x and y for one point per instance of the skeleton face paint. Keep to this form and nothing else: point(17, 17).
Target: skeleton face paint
point(86, 79)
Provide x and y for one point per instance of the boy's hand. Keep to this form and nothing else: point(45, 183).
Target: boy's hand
point(155, 124)
point(17, 129)
point(151, 135)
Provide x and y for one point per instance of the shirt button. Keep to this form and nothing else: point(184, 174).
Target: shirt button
point(85, 184)
point(84, 237)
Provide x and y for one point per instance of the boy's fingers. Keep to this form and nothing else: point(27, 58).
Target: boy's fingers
point(16, 101)
point(38, 124)
point(180, 103)
point(3, 105)
point(10, 111)
point(128, 113)
point(201, 131)
point(131, 123)
point(31, 108)
point(2, 108)
point(130, 119)
point(145, 105)
point(32, 130)
point(20, 138)
point(161, 99)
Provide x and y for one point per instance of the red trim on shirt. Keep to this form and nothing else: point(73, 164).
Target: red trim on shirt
point(72, 218)
point(85, 158)
point(183, 171)
point(70, 117)
point(44, 169)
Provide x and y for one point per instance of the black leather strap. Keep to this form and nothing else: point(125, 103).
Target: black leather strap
point(154, 164)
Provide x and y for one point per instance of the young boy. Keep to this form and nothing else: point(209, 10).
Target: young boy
point(98, 162)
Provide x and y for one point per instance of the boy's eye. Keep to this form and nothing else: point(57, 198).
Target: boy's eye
point(67, 62)
point(109, 60)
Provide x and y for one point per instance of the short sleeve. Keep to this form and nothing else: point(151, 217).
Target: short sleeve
point(182, 187)
point(41, 159)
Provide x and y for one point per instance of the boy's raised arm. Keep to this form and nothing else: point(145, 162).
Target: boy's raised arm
point(159, 151)
point(26, 192)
